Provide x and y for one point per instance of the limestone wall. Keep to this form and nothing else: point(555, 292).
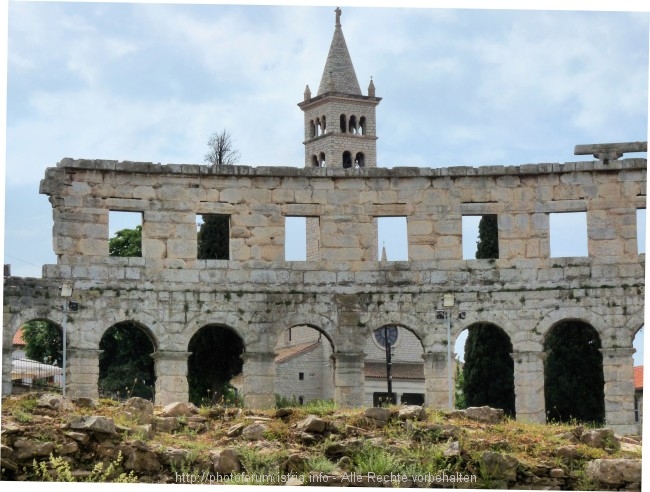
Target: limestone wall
point(346, 294)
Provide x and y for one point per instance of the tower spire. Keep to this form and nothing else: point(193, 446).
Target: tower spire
point(339, 71)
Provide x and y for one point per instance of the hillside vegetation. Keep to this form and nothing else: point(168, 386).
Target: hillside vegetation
point(46, 437)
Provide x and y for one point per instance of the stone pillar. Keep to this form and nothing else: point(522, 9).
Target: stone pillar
point(436, 384)
point(529, 386)
point(259, 379)
point(82, 373)
point(6, 370)
point(171, 376)
point(349, 379)
point(618, 370)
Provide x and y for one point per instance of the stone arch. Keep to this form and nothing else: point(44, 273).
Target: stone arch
point(229, 320)
point(574, 385)
point(635, 323)
point(314, 161)
point(406, 321)
point(324, 125)
point(360, 160)
point(126, 360)
point(493, 318)
point(488, 367)
point(321, 160)
point(575, 313)
point(149, 325)
point(316, 321)
point(362, 125)
point(34, 313)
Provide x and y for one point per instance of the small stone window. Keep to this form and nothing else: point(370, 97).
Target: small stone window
point(359, 160)
point(125, 233)
point(314, 161)
point(301, 376)
point(312, 129)
point(362, 125)
point(343, 123)
point(640, 230)
point(353, 125)
point(322, 160)
point(392, 239)
point(568, 234)
point(347, 159)
point(295, 238)
point(213, 237)
point(480, 237)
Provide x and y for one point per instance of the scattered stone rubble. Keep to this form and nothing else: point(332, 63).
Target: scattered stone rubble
point(84, 439)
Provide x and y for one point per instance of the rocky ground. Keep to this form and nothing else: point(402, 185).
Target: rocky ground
point(46, 437)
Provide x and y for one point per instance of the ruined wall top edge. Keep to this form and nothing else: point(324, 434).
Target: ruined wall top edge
point(281, 171)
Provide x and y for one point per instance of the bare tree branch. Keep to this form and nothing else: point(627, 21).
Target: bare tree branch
point(221, 149)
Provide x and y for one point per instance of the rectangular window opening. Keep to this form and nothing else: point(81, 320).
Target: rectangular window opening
point(301, 376)
point(295, 238)
point(392, 239)
point(213, 237)
point(480, 238)
point(640, 230)
point(568, 234)
point(125, 233)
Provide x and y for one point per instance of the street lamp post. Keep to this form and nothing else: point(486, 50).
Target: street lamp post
point(448, 302)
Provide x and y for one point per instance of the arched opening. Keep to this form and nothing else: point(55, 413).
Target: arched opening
point(304, 366)
point(359, 160)
point(484, 368)
point(323, 163)
point(324, 127)
point(343, 123)
point(393, 367)
point(37, 357)
point(573, 374)
point(312, 129)
point(215, 364)
point(319, 129)
point(362, 125)
point(314, 161)
point(353, 125)
point(126, 367)
point(347, 159)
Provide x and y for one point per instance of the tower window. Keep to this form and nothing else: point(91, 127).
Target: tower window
point(322, 161)
point(324, 128)
point(362, 125)
point(343, 123)
point(359, 160)
point(312, 129)
point(353, 124)
point(347, 159)
point(314, 161)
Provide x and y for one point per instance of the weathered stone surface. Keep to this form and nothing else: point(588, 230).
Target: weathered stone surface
point(253, 432)
point(378, 413)
point(235, 430)
point(139, 409)
point(140, 458)
point(412, 412)
point(615, 472)
point(225, 461)
point(166, 424)
point(29, 448)
point(94, 424)
point(54, 402)
point(85, 402)
point(500, 466)
point(312, 423)
point(485, 414)
point(180, 409)
point(600, 438)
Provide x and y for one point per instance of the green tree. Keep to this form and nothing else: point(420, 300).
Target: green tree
point(43, 342)
point(489, 368)
point(574, 385)
point(487, 246)
point(460, 382)
point(127, 242)
point(213, 239)
point(125, 364)
point(215, 358)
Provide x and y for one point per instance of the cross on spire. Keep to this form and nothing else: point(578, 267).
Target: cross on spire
point(338, 16)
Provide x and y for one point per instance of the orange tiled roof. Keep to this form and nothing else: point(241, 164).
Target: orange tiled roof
point(399, 370)
point(288, 352)
point(18, 338)
point(638, 377)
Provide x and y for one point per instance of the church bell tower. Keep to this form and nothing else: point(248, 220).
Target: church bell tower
point(340, 122)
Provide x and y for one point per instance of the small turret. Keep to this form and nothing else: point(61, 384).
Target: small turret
point(307, 93)
point(371, 88)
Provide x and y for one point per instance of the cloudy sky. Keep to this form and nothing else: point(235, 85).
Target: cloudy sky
point(151, 82)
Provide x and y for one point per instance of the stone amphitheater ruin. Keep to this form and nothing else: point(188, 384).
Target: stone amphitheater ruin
point(343, 290)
